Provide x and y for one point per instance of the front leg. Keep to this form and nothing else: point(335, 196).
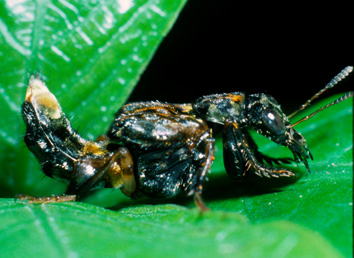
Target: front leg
point(262, 157)
point(240, 158)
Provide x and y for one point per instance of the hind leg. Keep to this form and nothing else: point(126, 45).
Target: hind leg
point(116, 172)
point(46, 199)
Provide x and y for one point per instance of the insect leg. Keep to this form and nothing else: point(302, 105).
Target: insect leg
point(205, 167)
point(239, 156)
point(46, 199)
point(262, 157)
point(116, 172)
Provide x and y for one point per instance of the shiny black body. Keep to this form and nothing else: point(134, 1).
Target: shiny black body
point(173, 144)
point(63, 154)
point(168, 148)
point(47, 144)
point(160, 149)
point(168, 144)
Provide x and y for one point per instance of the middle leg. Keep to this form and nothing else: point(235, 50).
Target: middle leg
point(203, 171)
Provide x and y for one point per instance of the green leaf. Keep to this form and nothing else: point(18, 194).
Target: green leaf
point(91, 55)
point(311, 217)
point(82, 230)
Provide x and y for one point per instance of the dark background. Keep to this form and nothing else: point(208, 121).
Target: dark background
point(288, 51)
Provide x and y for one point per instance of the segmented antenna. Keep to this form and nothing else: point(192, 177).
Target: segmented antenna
point(344, 97)
point(344, 73)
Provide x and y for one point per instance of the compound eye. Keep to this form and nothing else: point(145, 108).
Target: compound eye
point(273, 121)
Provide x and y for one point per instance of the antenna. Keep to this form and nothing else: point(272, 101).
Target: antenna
point(344, 97)
point(339, 77)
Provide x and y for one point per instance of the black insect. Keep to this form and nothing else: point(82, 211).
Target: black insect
point(159, 149)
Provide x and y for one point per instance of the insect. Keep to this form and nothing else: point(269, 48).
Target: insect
point(160, 149)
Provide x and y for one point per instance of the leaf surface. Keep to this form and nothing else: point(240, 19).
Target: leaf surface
point(82, 230)
point(91, 55)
